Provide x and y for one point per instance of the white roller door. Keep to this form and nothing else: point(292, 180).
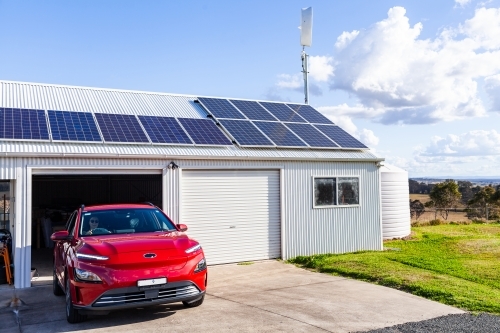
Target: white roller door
point(235, 215)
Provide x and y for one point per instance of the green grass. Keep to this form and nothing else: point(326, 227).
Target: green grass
point(458, 265)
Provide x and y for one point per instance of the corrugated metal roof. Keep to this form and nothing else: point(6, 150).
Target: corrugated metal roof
point(85, 99)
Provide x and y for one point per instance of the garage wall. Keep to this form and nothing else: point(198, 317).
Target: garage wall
point(305, 230)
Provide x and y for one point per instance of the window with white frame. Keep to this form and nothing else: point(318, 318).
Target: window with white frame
point(336, 191)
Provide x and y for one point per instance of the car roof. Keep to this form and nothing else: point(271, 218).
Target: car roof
point(116, 206)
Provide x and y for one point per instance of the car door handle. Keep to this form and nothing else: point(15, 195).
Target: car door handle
point(232, 227)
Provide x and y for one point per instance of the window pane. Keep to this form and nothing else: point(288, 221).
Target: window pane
point(348, 191)
point(324, 191)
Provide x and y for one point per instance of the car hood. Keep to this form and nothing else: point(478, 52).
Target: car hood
point(139, 250)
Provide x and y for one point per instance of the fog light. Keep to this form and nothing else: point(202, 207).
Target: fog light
point(84, 275)
point(201, 266)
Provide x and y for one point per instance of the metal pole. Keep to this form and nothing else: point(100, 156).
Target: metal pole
point(304, 57)
point(4, 203)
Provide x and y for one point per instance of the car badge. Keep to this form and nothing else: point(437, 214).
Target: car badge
point(149, 255)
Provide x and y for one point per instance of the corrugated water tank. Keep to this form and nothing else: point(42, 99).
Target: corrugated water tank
point(396, 222)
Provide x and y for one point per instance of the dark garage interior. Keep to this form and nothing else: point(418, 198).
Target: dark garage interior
point(55, 197)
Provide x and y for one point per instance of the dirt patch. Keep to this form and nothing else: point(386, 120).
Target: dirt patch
point(479, 246)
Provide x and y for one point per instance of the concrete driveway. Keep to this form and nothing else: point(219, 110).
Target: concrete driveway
point(267, 296)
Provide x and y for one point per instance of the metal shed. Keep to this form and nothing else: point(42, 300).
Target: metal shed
point(240, 203)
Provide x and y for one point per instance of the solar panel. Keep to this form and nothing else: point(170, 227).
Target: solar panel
point(311, 136)
point(120, 128)
point(245, 133)
point(73, 126)
point(220, 108)
point(283, 112)
point(23, 124)
point(310, 114)
point(204, 132)
point(253, 110)
point(280, 135)
point(164, 130)
point(341, 137)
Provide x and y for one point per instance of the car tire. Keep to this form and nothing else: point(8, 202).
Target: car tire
point(72, 314)
point(56, 288)
point(194, 304)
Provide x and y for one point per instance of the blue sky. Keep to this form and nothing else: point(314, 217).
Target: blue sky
point(418, 81)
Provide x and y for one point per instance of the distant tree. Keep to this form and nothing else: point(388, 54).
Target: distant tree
point(426, 188)
point(445, 196)
point(486, 198)
point(465, 188)
point(431, 204)
point(416, 209)
point(414, 186)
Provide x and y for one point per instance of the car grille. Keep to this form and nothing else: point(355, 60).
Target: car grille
point(140, 296)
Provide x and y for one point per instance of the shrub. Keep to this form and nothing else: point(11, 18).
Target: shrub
point(436, 222)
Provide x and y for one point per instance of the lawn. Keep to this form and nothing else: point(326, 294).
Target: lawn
point(458, 265)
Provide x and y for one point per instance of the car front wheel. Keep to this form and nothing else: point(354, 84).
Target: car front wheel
point(72, 314)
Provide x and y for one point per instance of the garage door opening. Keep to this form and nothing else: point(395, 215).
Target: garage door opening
point(55, 197)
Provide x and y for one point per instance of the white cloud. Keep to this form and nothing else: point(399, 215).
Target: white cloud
point(484, 28)
point(462, 3)
point(468, 154)
point(368, 137)
point(289, 81)
point(345, 39)
point(470, 144)
point(295, 83)
point(358, 111)
point(412, 80)
point(320, 68)
point(492, 87)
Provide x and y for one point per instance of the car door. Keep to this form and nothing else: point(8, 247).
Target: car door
point(61, 248)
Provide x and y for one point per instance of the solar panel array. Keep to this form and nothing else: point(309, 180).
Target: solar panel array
point(246, 123)
point(27, 124)
point(246, 134)
point(164, 130)
point(340, 136)
point(23, 124)
point(73, 126)
point(308, 113)
point(267, 124)
point(204, 132)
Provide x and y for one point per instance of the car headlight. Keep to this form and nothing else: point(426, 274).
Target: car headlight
point(201, 266)
point(193, 248)
point(84, 275)
point(90, 256)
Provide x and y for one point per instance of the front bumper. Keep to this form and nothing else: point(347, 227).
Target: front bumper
point(132, 297)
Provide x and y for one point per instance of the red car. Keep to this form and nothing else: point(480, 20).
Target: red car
point(124, 256)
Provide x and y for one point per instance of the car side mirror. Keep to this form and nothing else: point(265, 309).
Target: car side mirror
point(60, 236)
point(182, 227)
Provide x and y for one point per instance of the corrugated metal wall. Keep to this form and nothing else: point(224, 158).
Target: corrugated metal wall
point(8, 168)
point(305, 230)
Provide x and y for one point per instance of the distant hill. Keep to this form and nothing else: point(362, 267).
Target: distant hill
point(482, 181)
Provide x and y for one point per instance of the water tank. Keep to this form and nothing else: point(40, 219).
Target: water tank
point(396, 222)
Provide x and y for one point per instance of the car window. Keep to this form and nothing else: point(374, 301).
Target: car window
point(124, 221)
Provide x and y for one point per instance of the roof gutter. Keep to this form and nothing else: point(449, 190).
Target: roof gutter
point(191, 157)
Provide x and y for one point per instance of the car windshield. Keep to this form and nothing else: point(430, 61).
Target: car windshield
point(124, 221)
